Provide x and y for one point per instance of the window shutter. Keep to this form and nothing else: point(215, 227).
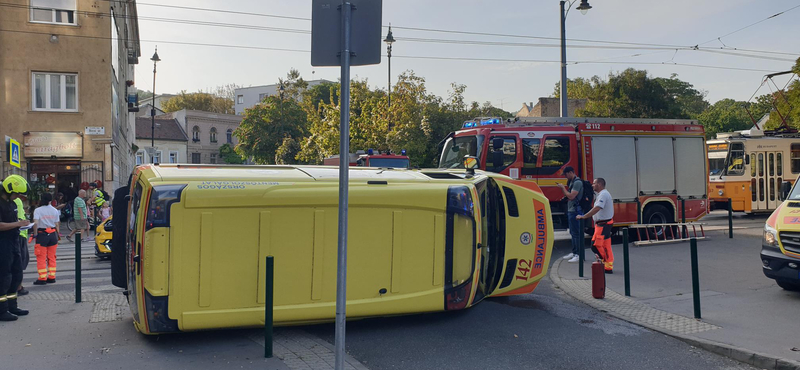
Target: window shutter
point(54, 4)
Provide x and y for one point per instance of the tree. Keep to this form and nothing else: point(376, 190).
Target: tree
point(726, 115)
point(787, 104)
point(229, 156)
point(633, 94)
point(287, 152)
point(219, 102)
point(265, 126)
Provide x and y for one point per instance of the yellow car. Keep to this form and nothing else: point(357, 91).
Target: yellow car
point(780, 247)
point(102, 239)
point(419, 241)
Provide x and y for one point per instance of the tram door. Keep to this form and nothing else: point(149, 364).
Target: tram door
point(767, 175)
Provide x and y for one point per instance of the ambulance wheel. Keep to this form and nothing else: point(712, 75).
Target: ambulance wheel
point(656, 214)
point(788, 285)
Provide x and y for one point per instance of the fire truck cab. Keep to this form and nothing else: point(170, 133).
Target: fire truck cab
point(372, 159)
point(649, 164)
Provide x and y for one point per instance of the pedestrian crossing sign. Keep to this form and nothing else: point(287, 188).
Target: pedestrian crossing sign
point(14, 157)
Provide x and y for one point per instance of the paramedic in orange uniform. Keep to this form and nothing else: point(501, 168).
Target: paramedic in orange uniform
point(46, 219)
point(603, 215)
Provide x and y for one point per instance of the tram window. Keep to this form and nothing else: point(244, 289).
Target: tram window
point(795, 158)
point(761, 190)
point(771, 189)
point(771, 164)
point(753, 166)
point(753, 187)
point(780, 164)
point(760, 165)
point(736, 160)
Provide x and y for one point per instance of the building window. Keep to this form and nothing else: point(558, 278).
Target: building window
point(240, 99)
point(173, 157)
point(262, 96)
point(213, 135)
point(229, 136)
point(196, 134)
point(157, 157)
point(196, 158)
point(55, 92)
point(139, 158)
point(53, 11)
point(213, 158)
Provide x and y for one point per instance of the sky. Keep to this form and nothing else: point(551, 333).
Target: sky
point(528, 66)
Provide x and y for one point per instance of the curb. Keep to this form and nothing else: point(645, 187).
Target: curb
point(761, 360)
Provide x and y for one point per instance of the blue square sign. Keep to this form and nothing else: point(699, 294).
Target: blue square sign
point(14, 157)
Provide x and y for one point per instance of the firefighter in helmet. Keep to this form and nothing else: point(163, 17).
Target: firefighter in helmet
point(10, 259)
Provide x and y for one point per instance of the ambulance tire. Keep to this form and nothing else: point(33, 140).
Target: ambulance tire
point(119, 274)
point(657, 214)
point(788, 285)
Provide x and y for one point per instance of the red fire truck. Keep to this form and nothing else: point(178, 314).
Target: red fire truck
point(372, 159)
point(649, 164)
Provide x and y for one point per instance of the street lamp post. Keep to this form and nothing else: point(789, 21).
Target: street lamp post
point(583, 7)
point(155, 60)
point(389, 41)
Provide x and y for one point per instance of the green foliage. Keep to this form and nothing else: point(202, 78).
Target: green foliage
point(633, 94)
point(265, 125)
point(199, 101)
point(788, 104)
point(728, 115)
point(229, 156)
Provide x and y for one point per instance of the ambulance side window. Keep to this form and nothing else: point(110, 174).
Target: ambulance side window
point(530, 156)
point(555, 155)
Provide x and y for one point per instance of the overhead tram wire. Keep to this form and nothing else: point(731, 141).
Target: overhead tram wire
point(750, 25)
point(213, 10)
point(187, 43)
point(644, 46)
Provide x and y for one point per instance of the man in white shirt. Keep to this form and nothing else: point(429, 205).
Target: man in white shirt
point(46, 221)
point(603, 215)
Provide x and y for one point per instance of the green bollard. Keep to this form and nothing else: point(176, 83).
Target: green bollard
point(730, 218)
point(626, 264)
point(695, 278)
point(580, 249)
point(78, 237)
point(268, 303)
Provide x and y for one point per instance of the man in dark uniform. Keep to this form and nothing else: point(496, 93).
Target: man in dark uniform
point(10, 259)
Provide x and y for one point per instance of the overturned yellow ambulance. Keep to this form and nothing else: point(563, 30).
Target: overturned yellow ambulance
point(419, 241)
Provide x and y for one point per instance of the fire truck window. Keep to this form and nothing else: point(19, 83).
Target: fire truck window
point(530, 156)
point(795, 158)
point(509, 155)
point(736, 160)
point(555, 155)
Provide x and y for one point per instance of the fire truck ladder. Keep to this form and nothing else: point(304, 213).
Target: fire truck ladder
point(669, 233)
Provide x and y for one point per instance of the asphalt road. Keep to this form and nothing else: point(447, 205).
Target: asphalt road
point(542, 330)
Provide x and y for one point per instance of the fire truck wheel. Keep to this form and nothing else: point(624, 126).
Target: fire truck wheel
point(656, 214)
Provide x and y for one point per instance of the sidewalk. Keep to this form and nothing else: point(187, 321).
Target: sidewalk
point(744, 315)
point(98, 333)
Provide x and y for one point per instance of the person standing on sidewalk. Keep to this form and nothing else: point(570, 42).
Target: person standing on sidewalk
point(573, 195)
point(10, 261)
point(603, 215)
point(80, 215)
point(46, 221)
point(25, 256)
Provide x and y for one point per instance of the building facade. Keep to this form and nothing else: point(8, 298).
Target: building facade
point(170, 141)
point(66, 67)
point(248, 97)
point(207, 132)
point(550, 107)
